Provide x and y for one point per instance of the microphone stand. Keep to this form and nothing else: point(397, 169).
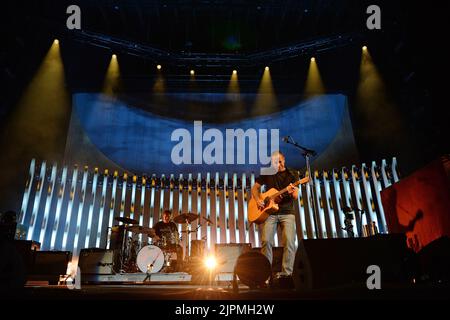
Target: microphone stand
point(307, 153)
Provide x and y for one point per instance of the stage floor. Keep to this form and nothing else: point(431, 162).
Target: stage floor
point(151, 291)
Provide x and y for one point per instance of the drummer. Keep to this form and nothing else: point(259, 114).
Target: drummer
point(165, 228)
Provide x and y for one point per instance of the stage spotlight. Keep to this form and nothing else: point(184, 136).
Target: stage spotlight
point(56, 41)
point(158, 67)
point(266, 68)
point(114, 56)
point(253, 269)
point(313, 59)
point(192, 72)
point(234, 72)
point(364, 48)
point(210, 263)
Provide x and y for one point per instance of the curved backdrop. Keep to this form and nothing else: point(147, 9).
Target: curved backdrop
point(111, 133)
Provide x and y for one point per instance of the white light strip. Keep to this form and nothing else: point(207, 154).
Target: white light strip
point(216, 182)
point(244, 207)
point(320, 211)
point(327, 202)
point(26, 195)
point(48, 203)
point(80, 211)
point(301, 210)
point(102, 210)
point(236, 208)
point(142, 205)
point(378, 188)
point(112, 204)
point(73, 190)
point(208, 209)
point(199, 204)
point(339, 200)
point(124, 192)
point(61, 191)
point(368, 195)
point(91, 209)
point(227, 207)
point(37, 200)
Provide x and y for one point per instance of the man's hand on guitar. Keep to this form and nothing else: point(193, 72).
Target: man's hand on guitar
point(260, 204)
point(291, 190)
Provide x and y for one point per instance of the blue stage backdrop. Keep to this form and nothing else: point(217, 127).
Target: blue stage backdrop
point(113, 133)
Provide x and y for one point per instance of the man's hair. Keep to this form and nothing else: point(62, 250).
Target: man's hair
point(278, 153)
point(167, 212)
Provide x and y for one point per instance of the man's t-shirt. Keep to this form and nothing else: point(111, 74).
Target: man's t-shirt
point(279, 181)
point(165, 229)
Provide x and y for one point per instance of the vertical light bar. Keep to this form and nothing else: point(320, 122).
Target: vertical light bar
point(80, 210)
point(339, 200)
point(189, 206)
point(347, 196)
point(255, 228)
point(358, 195)
point(113, 202)
point(216, 194)
point(91, 208)
point(102, 209)
point(26, 194)
point(172, 178)
point(124, 192)
point(61, 189)
point(199, 204)
point(327, 202)
point(208, 209)
point(377, 190)
point(319, 207)
point(73, 190)
point(395, 170)
point(384, 175)
point(368, 195)
point(310, 200)
point(152, 199)
point(37, 200)
point(142, 204)
point(236, 209)
point(244, 207)
point(227, 209)
point(301, 210)
point(48, 203)
point(180, 199)
point(133, 197)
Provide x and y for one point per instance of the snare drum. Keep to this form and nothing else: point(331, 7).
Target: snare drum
point(150, 259)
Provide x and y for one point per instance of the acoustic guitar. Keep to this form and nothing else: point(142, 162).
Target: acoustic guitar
point(271, 199)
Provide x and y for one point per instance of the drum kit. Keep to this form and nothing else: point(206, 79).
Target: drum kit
point(160, 254)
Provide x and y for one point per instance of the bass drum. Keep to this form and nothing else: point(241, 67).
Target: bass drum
point(150, 259)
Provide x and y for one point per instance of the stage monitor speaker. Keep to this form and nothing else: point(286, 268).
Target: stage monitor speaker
point(227, 255)
point(96, 261)
point(49, 265)
point(332, 263)
point(277, 257)
point(253, 269)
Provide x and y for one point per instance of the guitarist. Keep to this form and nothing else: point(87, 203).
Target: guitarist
point(285, 216)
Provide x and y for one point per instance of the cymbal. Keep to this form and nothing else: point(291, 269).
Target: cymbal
point(140, 229)
point(182, 218)
point(126, 220)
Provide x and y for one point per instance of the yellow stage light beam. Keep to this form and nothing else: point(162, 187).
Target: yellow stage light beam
point(37, 126)
point(233, 88)
point(266, 100)
point(112, 82)
point(314, 85)
point(375, 109)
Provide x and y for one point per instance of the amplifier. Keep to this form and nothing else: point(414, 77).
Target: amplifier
point(96, 261)
point(227, 255)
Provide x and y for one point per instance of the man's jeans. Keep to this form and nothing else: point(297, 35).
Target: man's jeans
point(269, 228)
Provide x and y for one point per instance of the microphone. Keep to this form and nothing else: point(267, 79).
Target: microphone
point(286, 139)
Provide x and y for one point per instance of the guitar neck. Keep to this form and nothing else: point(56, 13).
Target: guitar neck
point(279, 193)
